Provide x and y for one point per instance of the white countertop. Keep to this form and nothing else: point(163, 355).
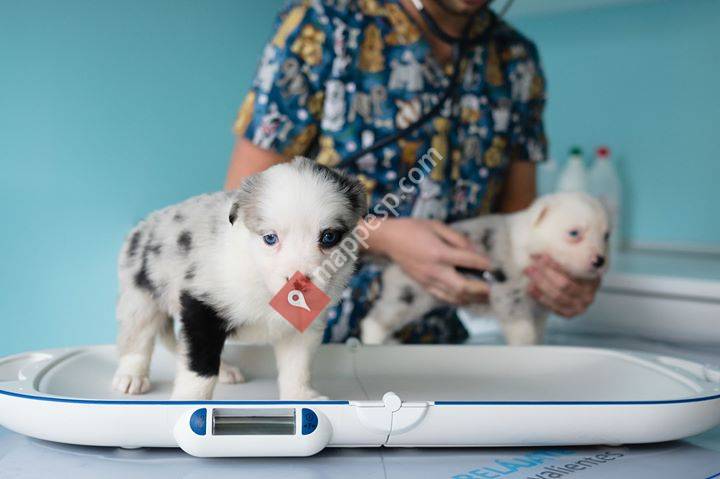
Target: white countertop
point(24, 458)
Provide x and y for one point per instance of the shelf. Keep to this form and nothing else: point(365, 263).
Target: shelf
point(668, 274)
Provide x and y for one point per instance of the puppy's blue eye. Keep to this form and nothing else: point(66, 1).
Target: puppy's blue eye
point(329, 238)
point(270, 239)
point(574, 233)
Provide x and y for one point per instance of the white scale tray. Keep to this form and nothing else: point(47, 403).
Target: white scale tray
point(380, 396)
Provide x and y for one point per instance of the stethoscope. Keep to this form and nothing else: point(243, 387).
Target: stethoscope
point(460, 46)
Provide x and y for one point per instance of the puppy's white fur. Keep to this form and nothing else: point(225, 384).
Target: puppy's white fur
point(548, 226)
point(204, 264)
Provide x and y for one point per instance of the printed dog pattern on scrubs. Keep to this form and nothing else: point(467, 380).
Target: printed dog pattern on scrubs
point(339, 75)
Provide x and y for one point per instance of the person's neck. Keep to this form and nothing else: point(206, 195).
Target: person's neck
point(451, 23)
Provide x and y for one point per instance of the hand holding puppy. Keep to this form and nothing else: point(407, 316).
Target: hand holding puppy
point(560, 292)
point(428, 251)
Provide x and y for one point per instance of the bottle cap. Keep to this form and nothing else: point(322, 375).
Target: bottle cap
point(576, 151)
point(602, 152)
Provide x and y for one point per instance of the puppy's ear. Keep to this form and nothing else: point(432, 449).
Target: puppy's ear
point(234, 212)
point(539, 210)
point(244, 205)
point(357, 196)
point(353, 190)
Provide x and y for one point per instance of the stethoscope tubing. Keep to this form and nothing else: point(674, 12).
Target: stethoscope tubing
point(460, 47)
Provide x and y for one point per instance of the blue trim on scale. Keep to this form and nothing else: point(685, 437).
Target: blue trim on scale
point(343, 403)
point(578, 403)
point(163, 403)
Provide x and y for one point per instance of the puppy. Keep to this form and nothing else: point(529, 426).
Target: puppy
point(213, 263)
point(571, 228)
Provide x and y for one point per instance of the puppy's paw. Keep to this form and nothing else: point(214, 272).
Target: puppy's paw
point(131, 384)
point(372, 332)
point(230, 374)
point(303, 394)
point(318, 397)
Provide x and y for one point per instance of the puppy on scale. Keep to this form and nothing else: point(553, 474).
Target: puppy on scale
point(571, 228)
point(212, 263)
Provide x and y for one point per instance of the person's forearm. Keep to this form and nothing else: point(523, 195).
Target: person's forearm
point(248, 159)
point(520, 187)
point(375, 241)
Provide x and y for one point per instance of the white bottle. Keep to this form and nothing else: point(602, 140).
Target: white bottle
point(547, 175)
point(574, 177)
point(605, 185)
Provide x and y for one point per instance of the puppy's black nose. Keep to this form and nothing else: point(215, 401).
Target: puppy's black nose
point(599, 261)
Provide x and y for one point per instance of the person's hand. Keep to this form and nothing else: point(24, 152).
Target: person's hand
point(555, 289)
point(428, 252)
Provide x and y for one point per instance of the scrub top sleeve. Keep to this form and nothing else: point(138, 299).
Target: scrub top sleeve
point(527, 84)
point(282, 110)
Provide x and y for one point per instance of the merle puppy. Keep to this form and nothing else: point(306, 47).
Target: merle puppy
point(212, 263)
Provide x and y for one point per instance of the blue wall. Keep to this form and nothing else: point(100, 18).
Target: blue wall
point(108, 110)
point(644, 79)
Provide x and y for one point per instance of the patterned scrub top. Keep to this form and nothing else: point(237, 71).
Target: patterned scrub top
point(339, 75)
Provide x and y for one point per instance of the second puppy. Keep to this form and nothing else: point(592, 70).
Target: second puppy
point(571, 228)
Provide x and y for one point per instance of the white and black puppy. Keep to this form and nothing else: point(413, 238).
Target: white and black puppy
point(212, 263)
point(571, 228)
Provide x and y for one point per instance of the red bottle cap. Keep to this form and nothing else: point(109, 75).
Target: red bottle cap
point(602, 152)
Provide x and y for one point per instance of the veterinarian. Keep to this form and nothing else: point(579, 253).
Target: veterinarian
point(339, 76)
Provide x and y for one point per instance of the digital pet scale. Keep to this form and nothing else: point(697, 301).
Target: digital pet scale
point(395, 396)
